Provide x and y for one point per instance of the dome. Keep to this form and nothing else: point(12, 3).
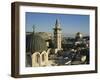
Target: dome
point(79, 35)
point(37, 44)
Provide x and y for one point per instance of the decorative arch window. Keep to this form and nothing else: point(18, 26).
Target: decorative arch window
point(43, 57)
point(37, 58)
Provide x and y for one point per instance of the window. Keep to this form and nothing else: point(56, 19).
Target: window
point(37, 58)
point(43, 57)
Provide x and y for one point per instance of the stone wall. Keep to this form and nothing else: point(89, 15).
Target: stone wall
point(40, 59)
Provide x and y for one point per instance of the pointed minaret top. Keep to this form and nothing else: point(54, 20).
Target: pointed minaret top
point(57, 25)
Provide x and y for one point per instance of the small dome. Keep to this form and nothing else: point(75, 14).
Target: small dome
point(79, 35)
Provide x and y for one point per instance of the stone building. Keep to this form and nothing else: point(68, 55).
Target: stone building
point(40, 58)
point(38, 46)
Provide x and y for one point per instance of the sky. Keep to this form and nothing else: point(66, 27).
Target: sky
point(45, 22)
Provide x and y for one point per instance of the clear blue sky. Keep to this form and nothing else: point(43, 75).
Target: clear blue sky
point(70, 23)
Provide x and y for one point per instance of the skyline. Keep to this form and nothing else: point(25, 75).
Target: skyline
point(45, 22)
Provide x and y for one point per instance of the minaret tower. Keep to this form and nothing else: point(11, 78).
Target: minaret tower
point(57, 35)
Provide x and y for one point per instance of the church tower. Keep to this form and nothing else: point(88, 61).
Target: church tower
point(57, 35)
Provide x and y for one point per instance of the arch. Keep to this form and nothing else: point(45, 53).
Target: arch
point(44, 52)
point(43, 56)
point(40, 59)
point(36, 59)
point(48, 51)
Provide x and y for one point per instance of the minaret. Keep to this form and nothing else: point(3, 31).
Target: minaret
point(32, 39)
point(57, 35)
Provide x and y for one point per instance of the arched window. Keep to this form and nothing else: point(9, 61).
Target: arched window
point(43, 57)
point(37, 58)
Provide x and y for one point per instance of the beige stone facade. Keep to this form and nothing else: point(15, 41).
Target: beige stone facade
point(40, 59)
